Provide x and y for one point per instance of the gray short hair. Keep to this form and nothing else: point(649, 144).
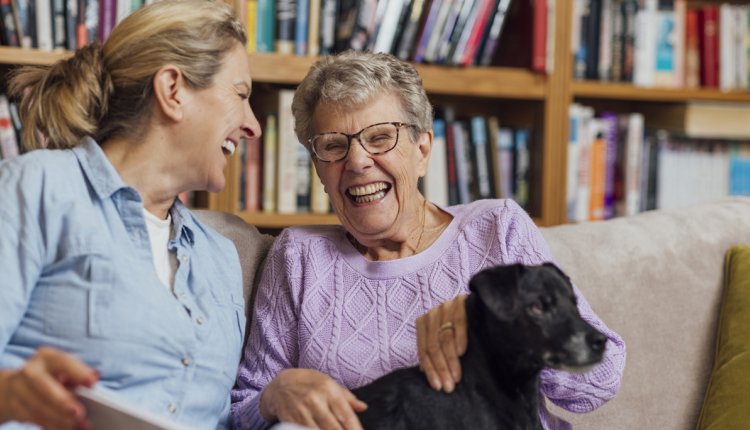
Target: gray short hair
point(352, 79)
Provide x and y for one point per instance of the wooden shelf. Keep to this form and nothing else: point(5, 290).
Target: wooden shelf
point(617, 91)
point(274, 220)
point(491, 82)
point(29, 57)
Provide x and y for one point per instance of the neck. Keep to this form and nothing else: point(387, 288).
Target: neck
point(142, 167)
point(395, 247)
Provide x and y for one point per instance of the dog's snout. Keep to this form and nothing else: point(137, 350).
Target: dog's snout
point(596, 341)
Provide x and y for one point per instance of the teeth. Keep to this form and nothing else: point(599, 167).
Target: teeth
point(367, 189)
point(229, 146)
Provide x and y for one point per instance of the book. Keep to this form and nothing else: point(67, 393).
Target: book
point(708, 45)
point(43, 24)
point(9, 147)
point(521, 165)
point(319, 202)
point(108, 411)
point(328, 26)
point(253, 175)
point(436, 179)
point(269, 165)
point(478, 125)
point(286, 154)
point(632, 164)
point(265, 25)
point(489, 47)
point(410, 32)
point(364, 25)
point(313, 29)
point(702, 119)
point(9, 24)
point(300, 27)
point(251, 18)
point(286, 17)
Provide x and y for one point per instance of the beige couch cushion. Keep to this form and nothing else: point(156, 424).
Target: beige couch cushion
point(656, 279)
point(252, 246)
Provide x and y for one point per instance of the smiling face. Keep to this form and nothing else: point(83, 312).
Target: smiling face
point(374, 196)
point(217, 118)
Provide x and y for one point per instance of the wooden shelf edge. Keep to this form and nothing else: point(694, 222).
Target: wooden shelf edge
point(470, 81)
point(618, 91)
point(30, 57)
point(275, 220)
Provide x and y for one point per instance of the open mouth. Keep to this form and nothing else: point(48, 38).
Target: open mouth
point(228, 147)
point(368, 193)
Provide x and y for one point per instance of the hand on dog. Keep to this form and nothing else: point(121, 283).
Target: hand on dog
point(439, 350)
point(40, 391)
point(312, 399)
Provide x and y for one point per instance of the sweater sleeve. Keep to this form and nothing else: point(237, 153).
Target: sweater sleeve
point(575, 392)
point(272, 344)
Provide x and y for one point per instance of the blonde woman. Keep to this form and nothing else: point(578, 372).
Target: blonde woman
point(106, 278)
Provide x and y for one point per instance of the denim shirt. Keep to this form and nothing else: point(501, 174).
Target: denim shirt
point(76, 273)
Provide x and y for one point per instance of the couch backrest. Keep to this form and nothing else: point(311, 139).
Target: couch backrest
point(656, 279)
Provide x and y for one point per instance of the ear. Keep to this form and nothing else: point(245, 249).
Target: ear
point(170, 92)
point(424, 145)
point(557, 270)
point(497, 289)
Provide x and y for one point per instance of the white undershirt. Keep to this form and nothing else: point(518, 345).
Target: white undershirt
point(159, 231)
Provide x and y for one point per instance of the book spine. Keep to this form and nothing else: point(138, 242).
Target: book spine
point(490, 45)
point(328, 26)
point(286, 14)
point(436, 179)
point(300, 27)
point(313, 29)
point(9, 147)
point(269, 165)
point(265, 26)
point(286, 201)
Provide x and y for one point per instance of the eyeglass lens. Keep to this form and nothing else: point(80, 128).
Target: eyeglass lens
point(376, 139)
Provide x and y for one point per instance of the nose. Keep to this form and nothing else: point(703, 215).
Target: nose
point(596, 341)
point(358, 158)
point(250, 127)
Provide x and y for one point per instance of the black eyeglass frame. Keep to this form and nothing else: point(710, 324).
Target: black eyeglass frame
point(350, 137)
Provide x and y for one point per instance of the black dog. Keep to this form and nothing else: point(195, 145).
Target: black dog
point(521, 319)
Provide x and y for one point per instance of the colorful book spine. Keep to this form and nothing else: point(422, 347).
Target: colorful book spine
point(269, 164)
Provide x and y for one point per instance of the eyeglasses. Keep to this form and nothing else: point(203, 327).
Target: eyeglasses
point(375, 139)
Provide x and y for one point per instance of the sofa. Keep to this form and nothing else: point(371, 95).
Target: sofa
point(655, 278)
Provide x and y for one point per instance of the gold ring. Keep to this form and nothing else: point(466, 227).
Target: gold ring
point(448, 325)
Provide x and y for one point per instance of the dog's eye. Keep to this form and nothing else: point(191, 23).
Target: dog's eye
point(536, 308)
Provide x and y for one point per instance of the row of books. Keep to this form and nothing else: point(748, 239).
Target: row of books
point(453, 32)
point(618, 168)
point(10, 129)
point(472, 158)
point(666, 43)
point(61, 24)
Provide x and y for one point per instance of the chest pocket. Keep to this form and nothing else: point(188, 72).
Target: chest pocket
point(66, 291)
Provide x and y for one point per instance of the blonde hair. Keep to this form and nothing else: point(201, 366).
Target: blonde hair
point(106, 91)
point(353, 78)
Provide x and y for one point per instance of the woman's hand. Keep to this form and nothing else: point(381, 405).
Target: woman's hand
point(310, 398)
point(40, 391)
point(441, 340)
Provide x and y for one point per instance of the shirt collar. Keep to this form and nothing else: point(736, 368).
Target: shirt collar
point(101, 174)
point(106, 181)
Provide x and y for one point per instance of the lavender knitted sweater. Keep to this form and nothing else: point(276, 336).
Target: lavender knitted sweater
point(321, 305)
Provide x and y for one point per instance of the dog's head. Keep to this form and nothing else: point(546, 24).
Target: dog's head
point(532, 310)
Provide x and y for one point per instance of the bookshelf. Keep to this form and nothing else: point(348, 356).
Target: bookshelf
point(513, 94)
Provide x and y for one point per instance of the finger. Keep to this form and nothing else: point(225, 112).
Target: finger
point(425, 361)
point(437, 317)
point(71, 371)
point(28, 406)
point(343, 411)
point(48, 391)
point(354, 402)
point(448, 347)
point(325, 418)
point(461, 325)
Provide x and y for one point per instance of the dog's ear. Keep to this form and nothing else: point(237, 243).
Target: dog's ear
point(497, 288)
point(559, 271)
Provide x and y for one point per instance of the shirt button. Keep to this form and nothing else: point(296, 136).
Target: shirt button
point(199, 321)
point(172, 408)
point(184, 258)
point(185, 361)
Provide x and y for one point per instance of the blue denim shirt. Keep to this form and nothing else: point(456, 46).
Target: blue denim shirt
point(76, 273)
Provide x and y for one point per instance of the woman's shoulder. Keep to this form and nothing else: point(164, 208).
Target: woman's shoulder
point(503, 211)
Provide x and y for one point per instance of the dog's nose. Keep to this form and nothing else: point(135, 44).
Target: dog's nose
point(596, 341)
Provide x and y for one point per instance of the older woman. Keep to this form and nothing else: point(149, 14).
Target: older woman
point(105, 275)
point(338, 306)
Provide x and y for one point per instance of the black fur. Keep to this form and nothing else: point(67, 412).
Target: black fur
point(521, 319)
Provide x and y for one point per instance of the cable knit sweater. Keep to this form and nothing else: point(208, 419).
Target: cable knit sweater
point(321, 305)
